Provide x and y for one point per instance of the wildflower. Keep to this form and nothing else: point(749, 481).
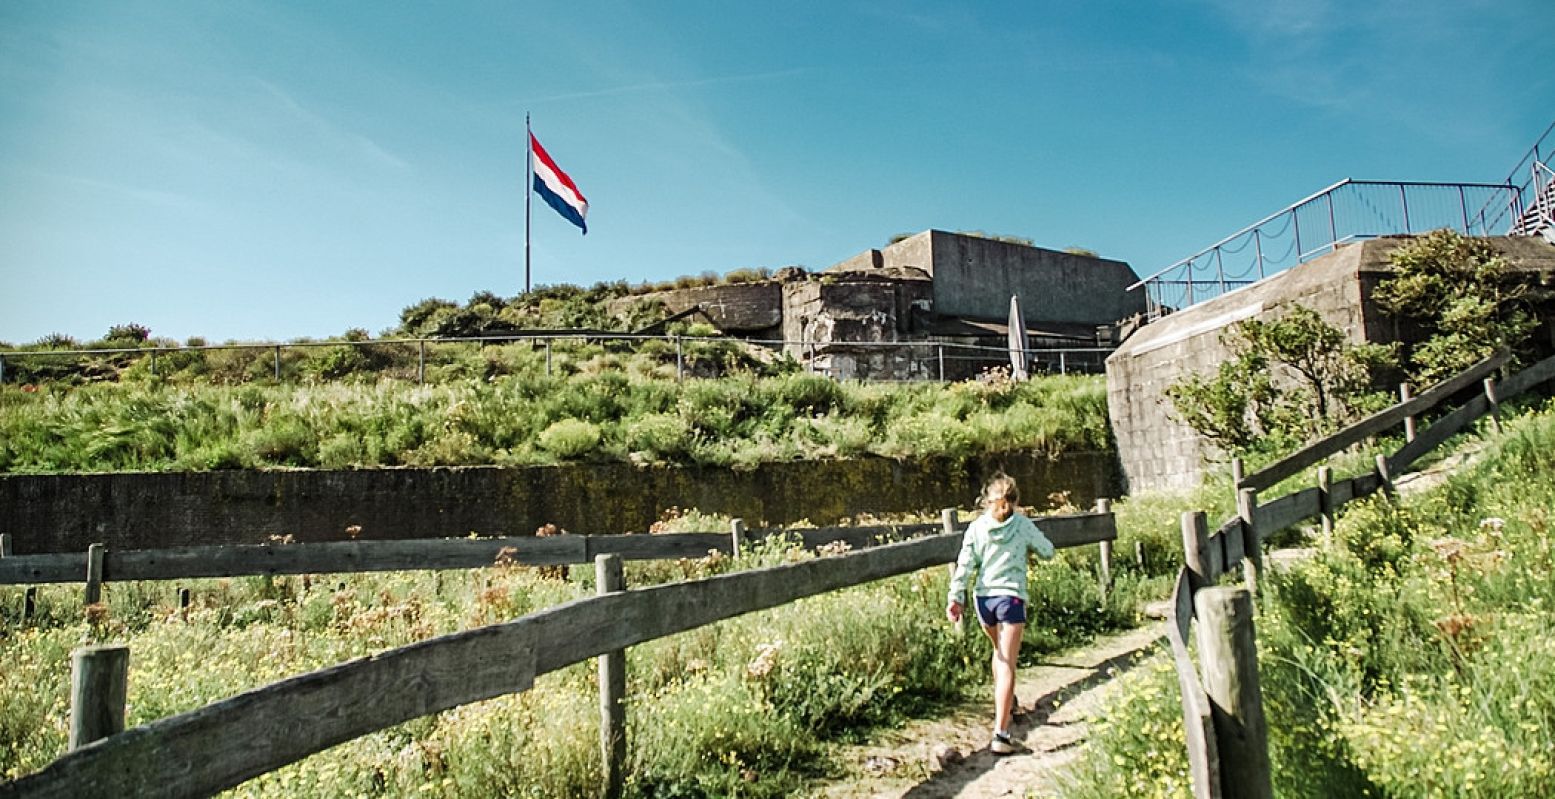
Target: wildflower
point(765, 660)
point(833, 548)
point(1450, 550)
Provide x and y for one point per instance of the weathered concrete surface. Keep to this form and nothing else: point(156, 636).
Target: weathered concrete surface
point(746, 308)
point(66, 513)
point(831, 315)
point(1157, 451)
point(975, 276)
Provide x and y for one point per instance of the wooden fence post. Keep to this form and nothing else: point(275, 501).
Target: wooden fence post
point(1385, 476)
point(1195, 548)
point(1495, 405)
point(1325, 501)
point(99, 676)
point(737, 536)
point(94, 574)
point(1105, 506)
point(30, 603)
point(1229, 654)
point(1252, 538)
point(1139, 555)
point(1238, 471)
point(608, 578)
point(1406, 393)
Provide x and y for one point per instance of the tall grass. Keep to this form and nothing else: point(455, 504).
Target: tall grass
point(745, 707)
point(1413, 657)
point(518, 420)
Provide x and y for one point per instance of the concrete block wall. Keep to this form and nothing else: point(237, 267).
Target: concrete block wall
point(1157, 451)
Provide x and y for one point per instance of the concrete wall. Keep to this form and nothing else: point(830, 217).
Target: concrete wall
point(734, 308)
point(66, 513)
point(915, 252)
point(834, 310)
point(974, 278)
point(1158, 452)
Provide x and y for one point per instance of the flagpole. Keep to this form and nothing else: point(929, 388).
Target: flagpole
point(529, 180)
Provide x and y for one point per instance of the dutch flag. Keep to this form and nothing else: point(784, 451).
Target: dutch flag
point(558, 190)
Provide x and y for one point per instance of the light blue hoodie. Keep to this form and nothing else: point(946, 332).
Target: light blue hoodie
point(998, 553)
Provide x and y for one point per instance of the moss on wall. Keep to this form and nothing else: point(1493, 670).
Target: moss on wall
point(55, 513)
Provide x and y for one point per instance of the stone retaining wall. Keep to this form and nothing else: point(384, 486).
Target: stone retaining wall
point(66, 513)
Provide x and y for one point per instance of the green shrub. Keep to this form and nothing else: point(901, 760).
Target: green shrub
point(926, 435)
point(660, 437)
point(570, 438)
point(744, 421)
point(285, 440)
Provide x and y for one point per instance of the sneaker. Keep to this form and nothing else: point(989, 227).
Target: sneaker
point(1001, 745)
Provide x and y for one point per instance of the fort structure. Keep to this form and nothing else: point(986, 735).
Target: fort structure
point(930, 288)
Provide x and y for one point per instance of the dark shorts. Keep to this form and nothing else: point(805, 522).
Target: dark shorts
point(992, 610)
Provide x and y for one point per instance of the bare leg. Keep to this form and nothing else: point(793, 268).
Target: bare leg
point(1006, 650)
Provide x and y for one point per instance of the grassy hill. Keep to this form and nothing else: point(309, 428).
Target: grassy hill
point(1415, 656)
point(525, 419)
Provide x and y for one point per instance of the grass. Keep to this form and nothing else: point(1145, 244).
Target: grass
point(745, 707)
point(735, 422)
point(1413, 657)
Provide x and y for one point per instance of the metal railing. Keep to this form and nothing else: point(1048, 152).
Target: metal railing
point(409, 358)
point(1525, 180)
point(1539, 213)
point(1347, 211)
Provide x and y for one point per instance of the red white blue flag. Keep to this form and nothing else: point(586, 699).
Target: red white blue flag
point(556, 188)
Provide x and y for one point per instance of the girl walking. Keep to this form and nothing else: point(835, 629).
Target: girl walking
point(995, 546)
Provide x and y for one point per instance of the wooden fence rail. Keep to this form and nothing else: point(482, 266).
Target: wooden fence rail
point(218, 746)
point(450, 553)
point(1209, 556)
point(1372, 425)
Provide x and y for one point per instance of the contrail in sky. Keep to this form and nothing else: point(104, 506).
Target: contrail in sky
point(656, 86)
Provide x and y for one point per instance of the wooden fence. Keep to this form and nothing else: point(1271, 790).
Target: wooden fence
point(1218, 735)
point(223, 744)
point(99, 565)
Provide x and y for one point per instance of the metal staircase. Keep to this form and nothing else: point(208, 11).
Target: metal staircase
point(1532, 208)
point(1538, 218)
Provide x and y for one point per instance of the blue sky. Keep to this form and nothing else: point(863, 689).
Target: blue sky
point(271, 170)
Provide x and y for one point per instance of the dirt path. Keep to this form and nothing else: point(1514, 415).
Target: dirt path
point(1057, 696)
